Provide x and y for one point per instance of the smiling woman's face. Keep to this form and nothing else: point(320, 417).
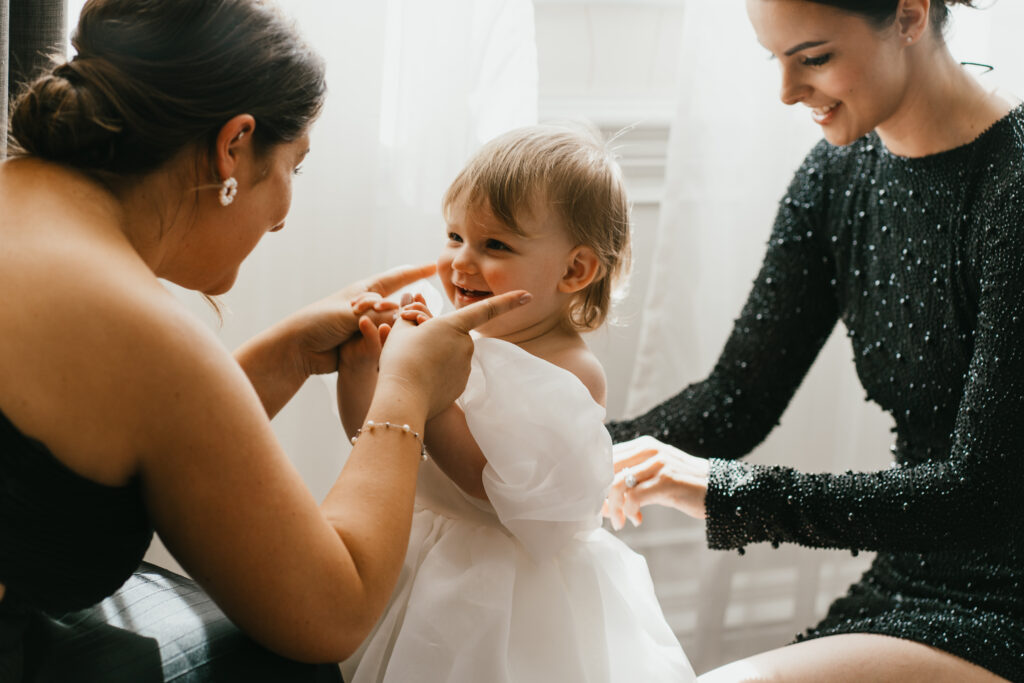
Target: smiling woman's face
point(849, 72)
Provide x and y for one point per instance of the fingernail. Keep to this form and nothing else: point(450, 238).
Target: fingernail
point(526, 298)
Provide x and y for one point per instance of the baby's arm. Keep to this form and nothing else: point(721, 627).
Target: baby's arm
point(357, 361)
point(455, 451)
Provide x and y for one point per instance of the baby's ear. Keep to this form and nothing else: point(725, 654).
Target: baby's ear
point(582, 266)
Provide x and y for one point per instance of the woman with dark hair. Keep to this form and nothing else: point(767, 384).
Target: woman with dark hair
point(904, 223)
point(166, 149)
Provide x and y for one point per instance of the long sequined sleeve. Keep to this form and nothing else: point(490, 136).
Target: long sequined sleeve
point(789, 314)
point(954, 383)
point(963, 501)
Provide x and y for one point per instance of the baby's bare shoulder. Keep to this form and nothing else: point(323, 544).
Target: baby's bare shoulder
point(576, 357)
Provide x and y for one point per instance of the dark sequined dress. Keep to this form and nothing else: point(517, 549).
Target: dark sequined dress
point(923, 261)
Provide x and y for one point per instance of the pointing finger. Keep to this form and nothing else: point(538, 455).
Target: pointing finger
point(474, 315)
point(396, 278)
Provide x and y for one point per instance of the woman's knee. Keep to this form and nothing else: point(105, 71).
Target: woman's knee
point(855, 657)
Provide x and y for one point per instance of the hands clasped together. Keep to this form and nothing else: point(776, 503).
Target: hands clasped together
point(648, 472)
point(417, 353)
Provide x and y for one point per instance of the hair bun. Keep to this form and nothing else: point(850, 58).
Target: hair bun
point(157, 77)
point(62, 117)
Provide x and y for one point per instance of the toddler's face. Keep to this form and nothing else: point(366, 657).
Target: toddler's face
point(483, 257)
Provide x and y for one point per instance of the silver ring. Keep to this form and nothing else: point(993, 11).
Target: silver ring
point(630, 479)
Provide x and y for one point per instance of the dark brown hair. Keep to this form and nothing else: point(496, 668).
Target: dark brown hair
point(154, 76)
point(572, 169)
point(881, 12)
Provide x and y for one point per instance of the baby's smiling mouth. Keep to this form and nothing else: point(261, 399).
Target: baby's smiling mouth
point(472, 293)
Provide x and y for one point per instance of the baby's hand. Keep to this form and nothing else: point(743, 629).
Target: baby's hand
point(414, 309)
point(361, 354)
point(378, 308)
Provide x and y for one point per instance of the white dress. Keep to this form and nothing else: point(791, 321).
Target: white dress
point(527, 587)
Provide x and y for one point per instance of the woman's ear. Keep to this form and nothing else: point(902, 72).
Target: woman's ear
point(234, 137)
point(913, 17)
point(582, 267)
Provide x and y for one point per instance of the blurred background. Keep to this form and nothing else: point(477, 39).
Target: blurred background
point(707, 150)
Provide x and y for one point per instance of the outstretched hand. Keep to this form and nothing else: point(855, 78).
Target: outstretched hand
point(649, 472)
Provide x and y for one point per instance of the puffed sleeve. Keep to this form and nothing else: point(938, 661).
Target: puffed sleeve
point(549, 461)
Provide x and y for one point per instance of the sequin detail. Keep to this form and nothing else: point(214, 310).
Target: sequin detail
point(923, 261)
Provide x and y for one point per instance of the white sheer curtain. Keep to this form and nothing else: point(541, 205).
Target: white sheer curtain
point(732, 151)
point(414, 88)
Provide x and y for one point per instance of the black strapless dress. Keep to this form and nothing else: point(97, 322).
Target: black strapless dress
point(78, 605)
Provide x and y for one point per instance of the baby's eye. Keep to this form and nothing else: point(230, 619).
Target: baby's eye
point(498, 245)
point(454, 237)
point(817, 61)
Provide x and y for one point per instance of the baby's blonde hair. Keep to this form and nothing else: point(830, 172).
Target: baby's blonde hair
point(573, 170)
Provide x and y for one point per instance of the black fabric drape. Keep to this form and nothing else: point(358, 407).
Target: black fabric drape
point(31, 32)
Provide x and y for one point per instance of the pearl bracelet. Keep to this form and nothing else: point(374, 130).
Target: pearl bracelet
point(370, 425)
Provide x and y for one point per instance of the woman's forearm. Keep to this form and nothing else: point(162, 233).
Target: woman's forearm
point(273, 367)
point(370, 504)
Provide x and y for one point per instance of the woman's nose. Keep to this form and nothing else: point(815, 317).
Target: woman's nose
point(792, 91)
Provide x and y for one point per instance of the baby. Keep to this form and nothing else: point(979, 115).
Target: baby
point(508, 575)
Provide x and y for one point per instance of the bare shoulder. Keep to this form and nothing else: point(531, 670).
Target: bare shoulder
point(91, 336)
point(574, 355)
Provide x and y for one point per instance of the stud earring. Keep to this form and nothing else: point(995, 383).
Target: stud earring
point(228, 190)
point(910, 39)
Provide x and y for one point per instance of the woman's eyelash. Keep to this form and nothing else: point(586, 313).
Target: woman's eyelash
point(817, 61)
point(298, 170)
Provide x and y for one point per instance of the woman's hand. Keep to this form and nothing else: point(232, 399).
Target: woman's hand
point(428, 359)
point(322, 327)
point(649, 472)
point(306, 343)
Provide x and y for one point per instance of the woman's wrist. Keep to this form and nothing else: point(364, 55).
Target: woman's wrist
point(396, 400)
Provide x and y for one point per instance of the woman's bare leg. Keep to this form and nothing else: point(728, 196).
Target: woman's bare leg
point(860, 657)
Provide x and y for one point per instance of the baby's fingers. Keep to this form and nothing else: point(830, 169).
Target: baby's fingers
point(415, 312)
point(371, 301)
point(371, 334)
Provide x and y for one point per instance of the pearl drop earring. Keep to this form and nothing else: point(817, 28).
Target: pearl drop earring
point(228, 190)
